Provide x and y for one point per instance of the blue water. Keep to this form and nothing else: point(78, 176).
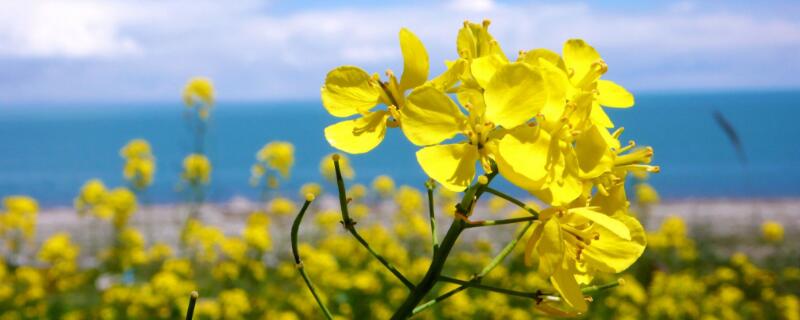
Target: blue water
point(49, 151)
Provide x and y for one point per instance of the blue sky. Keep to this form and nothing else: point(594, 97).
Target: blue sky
point(76, 51)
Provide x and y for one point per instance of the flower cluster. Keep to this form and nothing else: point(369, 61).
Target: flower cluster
point(18, 221)
point(538, 120)
point(139, 163)
point(199, 94)
point(274, 157)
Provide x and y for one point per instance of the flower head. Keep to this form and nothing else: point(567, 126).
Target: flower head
point(351, 91)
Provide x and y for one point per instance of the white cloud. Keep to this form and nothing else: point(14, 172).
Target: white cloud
point(61, 28)
point(254, 52)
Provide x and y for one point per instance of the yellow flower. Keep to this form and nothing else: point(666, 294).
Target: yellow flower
point(578, 73)
point(772, 231)
point(383, 185)
point(350, 91)
point(21, 204)
point(234, 304)
point(121, 202)
point(256, 232)
point(646, 194)
point(139, 163)
point(91, 195)
point(310, 188)
point(514, 95)
point(328, 170)
point(19, 217)
point(199, 92)
point(277, 155)
point(196, 169)
point(282, 206)
point(574, 243)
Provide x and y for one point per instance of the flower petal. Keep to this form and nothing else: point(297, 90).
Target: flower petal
point(522, 156)
point(455, 69)
point(485, 67)
point(533, 241)
point(452, 165)
point(578, 57)
point(415, 60)
point(430, 116)
point(600, 117)
point(566, 285)
point(515, 94)
point(550, 248)
point(535, 56)
point(614, 254)
point(349, 90)
point(358, 135)
point(615, 226)
point(594, 153)
point(613, 95)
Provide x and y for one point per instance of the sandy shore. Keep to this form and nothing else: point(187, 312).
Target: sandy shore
point(162, 223)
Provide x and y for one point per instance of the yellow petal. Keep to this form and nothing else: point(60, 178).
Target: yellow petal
point(430, 116)
point(615, 226)
point(615, 202)
point(522, 156)
point(533, 241)
point(359, 135)
point(578, 57)
point(566, 285)
point(612, 253)
point(550, 248)
point(485, 67)
point(515, 94)
point(415, 60)
point(600, 117)
point(451, 76)
point(349, 90)
point(452, 165)
point(594, 154)
point(613, 95)
point(557, 87)
point(535, 56)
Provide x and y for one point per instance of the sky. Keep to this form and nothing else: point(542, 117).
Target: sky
point(89, 51)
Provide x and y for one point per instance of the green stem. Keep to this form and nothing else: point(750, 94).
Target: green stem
point(192, 302)
point(434, 270)
point(434, 237)
point(477, 285)
point(299, 263)
point(600, 287)
point(484, 223)
point(464, 208)
point(349, 224)
point(511, 199)
point(488, 268)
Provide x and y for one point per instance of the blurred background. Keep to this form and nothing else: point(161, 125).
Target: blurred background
point(104, 72)
point(715, 83)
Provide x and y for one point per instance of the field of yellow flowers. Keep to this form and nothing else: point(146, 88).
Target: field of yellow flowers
point(381, 251)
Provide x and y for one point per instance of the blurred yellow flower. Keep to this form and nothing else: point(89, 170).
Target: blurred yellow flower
point(282, 206)
point(199, 92)
point(196, 169)
point(646, 194)
point(326, 167)
point(310, 188)
point(772, 231)
point(383, 185)
point(139, 163)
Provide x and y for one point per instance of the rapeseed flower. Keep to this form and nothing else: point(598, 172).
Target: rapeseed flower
point(196, 169)
point(350, 91)
point(772, 231)
point(199, 93)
